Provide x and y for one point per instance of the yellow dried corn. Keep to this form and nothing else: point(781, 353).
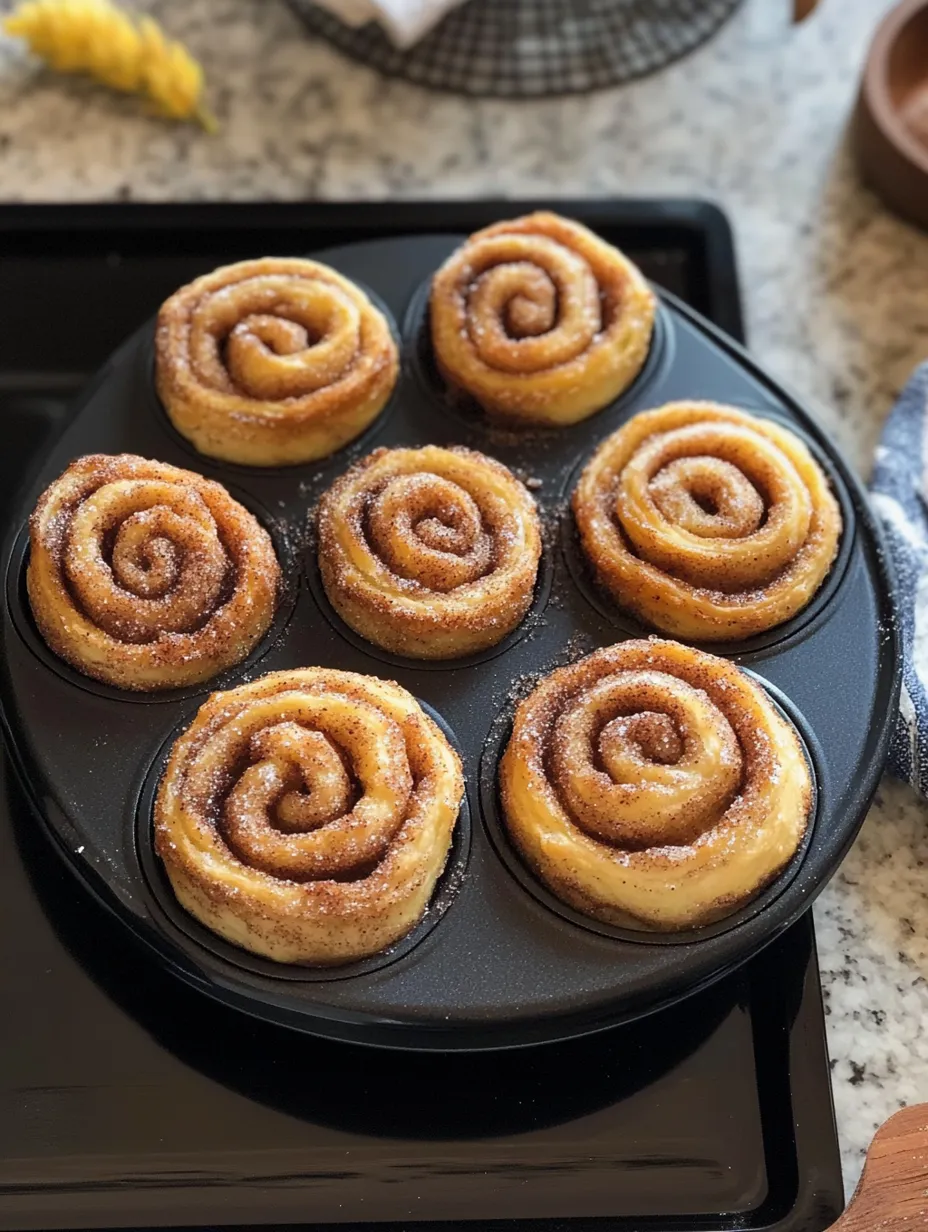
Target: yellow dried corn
point(121, 51)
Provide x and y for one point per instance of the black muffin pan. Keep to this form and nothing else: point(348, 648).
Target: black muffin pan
point(495, 962)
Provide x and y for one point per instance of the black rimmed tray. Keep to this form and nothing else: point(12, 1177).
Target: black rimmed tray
point(500, 967)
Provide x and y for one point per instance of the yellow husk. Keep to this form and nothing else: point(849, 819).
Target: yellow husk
point(123, 52)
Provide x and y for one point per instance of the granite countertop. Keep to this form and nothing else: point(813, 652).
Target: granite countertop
point(835, 292)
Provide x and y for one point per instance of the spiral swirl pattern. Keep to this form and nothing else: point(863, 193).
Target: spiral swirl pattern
point(273, 362)
point(146, 576)
point(429, 552)
point(707, 522)
point(540, 321)
point(307, 816)
point(654, 784)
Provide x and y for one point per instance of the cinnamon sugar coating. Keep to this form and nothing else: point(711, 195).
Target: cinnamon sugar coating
point(429, 552)
point(308, 816)
point(654, 784)
point(539, 320)
point(706, 522)
point(147, 576)
point(273, 362)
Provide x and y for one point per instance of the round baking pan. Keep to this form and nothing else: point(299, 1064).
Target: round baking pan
point(495, 963)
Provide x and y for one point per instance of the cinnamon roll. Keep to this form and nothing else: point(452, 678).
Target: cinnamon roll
point(429, 552)
point(147, 576)
point(307, 817)
point(707, 522)
point(654, 784)
point(273, 362)
point(540, 321)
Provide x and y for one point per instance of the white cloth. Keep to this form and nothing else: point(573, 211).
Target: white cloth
point(405, 21)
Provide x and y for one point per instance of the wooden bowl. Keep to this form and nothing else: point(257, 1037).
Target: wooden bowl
point(891, 118)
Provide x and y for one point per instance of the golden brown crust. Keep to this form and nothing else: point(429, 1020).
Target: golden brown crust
point(707, 522)
point(654, 783)
point(307, 816)
point(429, 552)
point(540, 321)
point(147, 576)
point(273, 362)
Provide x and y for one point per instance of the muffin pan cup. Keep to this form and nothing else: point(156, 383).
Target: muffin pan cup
point(492, 965)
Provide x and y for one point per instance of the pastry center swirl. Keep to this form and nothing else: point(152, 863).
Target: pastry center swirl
point(429, 530)
point(718, 505)
point(305, 787)
point(143, 558)
point(275, 336)
point(531, 304)
point(643, 759)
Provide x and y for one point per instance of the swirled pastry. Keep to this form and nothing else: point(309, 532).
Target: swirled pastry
point(272, 362)
point(307, 817)
point(540, 321)
point(147, 576)
point(429, 552)
point(654, 783)
point(707, 522)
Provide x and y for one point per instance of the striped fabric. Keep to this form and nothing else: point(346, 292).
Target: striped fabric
point(900, 498)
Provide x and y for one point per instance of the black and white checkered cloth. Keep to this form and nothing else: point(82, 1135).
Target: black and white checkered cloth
point(900, 498)
point(532, 48)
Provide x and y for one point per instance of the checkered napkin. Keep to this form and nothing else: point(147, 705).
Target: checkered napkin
point(900, 498)
point(405, 21)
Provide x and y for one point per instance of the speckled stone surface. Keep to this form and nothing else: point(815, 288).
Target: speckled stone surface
point(835, 291)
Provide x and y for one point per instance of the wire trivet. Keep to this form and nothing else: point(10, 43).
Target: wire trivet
point(531, 48)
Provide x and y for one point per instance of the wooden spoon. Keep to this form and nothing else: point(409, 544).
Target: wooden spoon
point(802, 9)
point(893, 1192)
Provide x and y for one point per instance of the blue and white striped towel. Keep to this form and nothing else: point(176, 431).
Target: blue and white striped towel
point(900, 499)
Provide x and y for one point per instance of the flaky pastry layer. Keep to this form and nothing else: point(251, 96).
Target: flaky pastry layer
point(431, 552)
point(307, 817)
point(655, 784)
point(706, 522)
point(147, 576)
point(540, 321)
point(273, 362)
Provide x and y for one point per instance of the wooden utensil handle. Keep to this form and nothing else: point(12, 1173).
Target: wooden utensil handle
point(893, 1192)
point(802, 9)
